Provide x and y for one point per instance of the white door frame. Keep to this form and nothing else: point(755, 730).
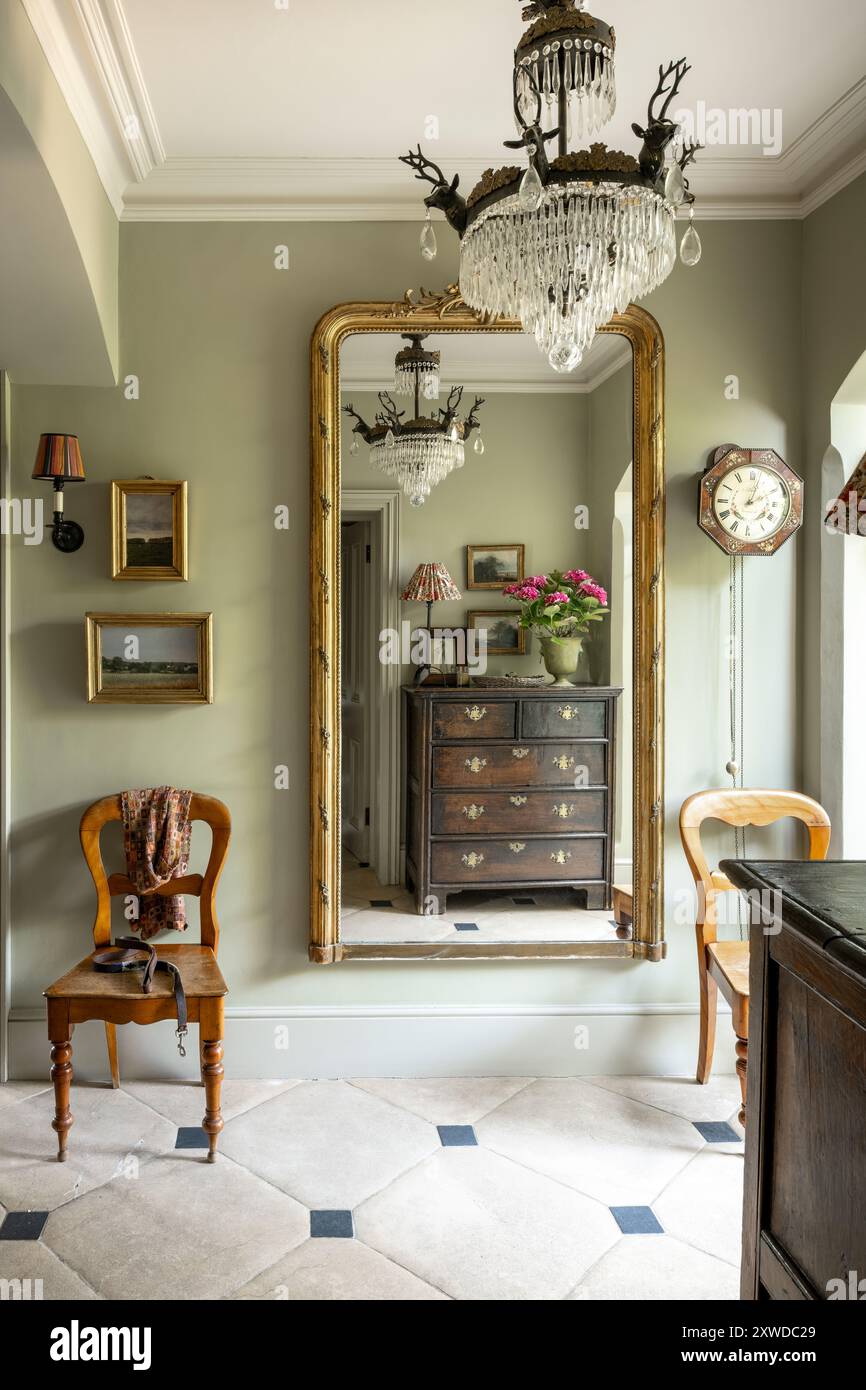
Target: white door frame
point(386, 748)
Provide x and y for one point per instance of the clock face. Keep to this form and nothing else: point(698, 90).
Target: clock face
point(751, 503)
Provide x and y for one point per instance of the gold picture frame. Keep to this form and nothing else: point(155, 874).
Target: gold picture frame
point(145, 503)
point(184, 665)
point(474, 553)
point(519, 649)
point(444, 313)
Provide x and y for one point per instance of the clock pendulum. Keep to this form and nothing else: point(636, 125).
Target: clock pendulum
point(749, 502)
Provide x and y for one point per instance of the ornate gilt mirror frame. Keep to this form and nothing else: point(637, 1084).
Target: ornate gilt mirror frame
point(423, 312)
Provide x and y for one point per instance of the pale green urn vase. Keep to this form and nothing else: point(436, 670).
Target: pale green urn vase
point(561, 657)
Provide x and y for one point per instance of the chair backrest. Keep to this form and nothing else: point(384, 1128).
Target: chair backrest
point(741, 806)
point(205, 808)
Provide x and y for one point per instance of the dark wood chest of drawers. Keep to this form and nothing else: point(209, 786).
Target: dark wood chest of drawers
point(804, 1209)
point(509, 788)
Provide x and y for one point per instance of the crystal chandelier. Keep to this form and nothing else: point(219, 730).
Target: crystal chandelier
point(567, 242)
point(422, 451)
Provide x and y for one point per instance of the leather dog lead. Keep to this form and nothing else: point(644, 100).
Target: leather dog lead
point(128, 954)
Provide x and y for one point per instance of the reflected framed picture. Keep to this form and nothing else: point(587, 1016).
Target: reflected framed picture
point(149, 658)
point(493, 566)
point(505, 636)
point(148, 529)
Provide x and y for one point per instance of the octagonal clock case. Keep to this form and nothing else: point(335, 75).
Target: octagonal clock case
point(750, 502)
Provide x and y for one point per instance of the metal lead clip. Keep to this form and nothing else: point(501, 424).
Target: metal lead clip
point(180, 1034)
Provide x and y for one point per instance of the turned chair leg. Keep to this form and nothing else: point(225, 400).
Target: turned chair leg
point(742, 1049)
point(709, 999)
point(61, 1075)
point(111, 1041)
point(212, 1075)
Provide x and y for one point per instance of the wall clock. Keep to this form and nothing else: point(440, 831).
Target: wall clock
point(749, 500)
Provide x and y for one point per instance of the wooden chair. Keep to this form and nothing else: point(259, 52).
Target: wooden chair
point(83, 993)
point(725, 964)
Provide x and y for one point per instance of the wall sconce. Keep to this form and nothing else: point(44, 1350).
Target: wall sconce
point(58, 460)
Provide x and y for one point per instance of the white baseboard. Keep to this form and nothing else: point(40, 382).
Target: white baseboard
point(393, 1040)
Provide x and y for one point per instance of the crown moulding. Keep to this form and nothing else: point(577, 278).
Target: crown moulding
point(93, 58)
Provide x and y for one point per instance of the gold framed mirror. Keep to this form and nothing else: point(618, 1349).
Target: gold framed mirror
point(641, 933)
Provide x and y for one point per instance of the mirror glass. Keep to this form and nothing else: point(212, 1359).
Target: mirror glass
point(486, 764)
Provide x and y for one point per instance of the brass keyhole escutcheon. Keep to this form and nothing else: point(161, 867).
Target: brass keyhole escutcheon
point(474, 713)
point(520, 753)
point(473, 812)
point(561, 856)
point(516, 846)
point(567, 712)
point(475, 764)
point(563, 810)
point(563, 762)
point(518, 800)
point(472, 860)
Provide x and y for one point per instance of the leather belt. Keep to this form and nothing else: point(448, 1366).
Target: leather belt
point(129, 953)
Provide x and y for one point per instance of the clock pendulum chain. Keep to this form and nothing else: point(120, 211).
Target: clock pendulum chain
point(736, 691)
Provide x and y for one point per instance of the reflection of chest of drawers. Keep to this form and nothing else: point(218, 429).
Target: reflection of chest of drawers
point(509, 788)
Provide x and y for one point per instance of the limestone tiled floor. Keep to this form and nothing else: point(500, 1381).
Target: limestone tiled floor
point(485, 915)
point(502, 1188)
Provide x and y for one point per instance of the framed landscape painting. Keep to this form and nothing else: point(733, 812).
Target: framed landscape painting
point(493, 566)
point(505, 636)
point(149, 658)
point(148, 529)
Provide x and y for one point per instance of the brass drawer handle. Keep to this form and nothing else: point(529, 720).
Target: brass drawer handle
point(475, 764)
point(520, 752)
point(563, 762)
point(563, 810)
point(473, 812)
point(516, 846)
point(567, 712)
point(561, 856)
point(518, 800)
point(473, 860)
point(474, 713)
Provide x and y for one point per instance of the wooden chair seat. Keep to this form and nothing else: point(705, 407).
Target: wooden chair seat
point(84, 993)
point(728, 963)
point(200, 975)
point(724, 965)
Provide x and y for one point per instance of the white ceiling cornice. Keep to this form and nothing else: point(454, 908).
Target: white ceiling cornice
point(90, 49)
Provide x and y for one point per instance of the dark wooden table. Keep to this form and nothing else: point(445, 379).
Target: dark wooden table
point(804, 1212)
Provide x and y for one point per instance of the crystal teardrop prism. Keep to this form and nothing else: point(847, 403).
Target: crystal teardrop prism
point(690, 247)
point(564, 356)
point(389, 440)
point(531, 190)
point(428, 240)
point(355, 446)
point(416, 501)
point(478, 446)
point(675, 186)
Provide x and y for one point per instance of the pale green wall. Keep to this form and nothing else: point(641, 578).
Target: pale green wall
point(221, 342)
point(611, 432)
point(32, 88)
point(524, 487)
point(834, 338)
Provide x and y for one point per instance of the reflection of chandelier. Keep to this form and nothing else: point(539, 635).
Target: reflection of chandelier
point(567, 242)
point(422, 451)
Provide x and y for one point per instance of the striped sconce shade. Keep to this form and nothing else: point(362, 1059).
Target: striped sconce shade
point(58, 457)
point(429, 584)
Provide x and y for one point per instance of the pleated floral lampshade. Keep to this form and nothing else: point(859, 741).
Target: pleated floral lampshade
point(430, 583)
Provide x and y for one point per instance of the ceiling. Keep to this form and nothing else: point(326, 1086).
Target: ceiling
point(224, 109)
point(486, 361)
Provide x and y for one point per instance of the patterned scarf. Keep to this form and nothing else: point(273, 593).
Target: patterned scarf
point(156, 834)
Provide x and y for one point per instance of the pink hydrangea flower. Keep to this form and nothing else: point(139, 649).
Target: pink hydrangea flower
point(576, 576)
point(526, 592)
point(537, 581)
point(557, 597)
point(594, 591)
